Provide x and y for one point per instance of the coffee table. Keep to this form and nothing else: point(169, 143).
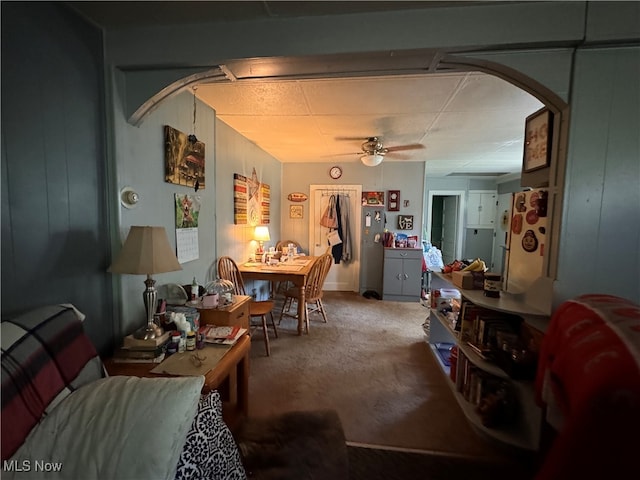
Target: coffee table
point(230, 377)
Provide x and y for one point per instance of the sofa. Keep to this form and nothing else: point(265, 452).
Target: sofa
point(588, 382)
point(64, 417)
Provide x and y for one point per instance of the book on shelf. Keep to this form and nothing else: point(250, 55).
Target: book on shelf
point(468, 320)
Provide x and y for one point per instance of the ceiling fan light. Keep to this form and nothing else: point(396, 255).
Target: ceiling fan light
point(371, 159)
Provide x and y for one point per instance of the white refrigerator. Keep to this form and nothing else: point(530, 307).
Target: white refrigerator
point(526, 240)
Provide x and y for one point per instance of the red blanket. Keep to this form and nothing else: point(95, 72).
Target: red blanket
point(590, 365)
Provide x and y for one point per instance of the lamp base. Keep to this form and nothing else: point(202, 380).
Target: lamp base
point(148, 332)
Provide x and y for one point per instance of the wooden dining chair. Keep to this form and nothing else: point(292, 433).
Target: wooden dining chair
point(228, 270)
point(284, 243)
point(280, 287)
point(313, 291)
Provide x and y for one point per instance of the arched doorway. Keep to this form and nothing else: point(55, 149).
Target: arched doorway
point(446, 63)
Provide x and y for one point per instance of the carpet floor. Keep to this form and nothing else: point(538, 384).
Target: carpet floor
point(371, 364)
point(367, 463)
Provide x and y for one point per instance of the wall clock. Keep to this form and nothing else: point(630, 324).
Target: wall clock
point(335, 172)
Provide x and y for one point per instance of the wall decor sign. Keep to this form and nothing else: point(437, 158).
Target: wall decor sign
point(251, 200)
point(537, 140)
point(183, 160)
point(405, 222)
point(297, 197)
point(296, 211)
point(393, 200)
point(373, 199)
point(187, 210)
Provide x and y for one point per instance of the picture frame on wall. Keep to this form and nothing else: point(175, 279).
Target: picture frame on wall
point(373, 199)
point(537, 140)
point(296, 211)
point(393, 200)
point(405, 222)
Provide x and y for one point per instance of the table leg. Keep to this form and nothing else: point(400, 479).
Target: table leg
point(243, 385)
point(302, 312)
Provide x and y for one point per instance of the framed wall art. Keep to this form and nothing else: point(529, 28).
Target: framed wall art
point(405, 222)
point(296, 211)
point(393, 200)
point(537, 140)
point(373, 199)
point(251, 200)
point(183, 159)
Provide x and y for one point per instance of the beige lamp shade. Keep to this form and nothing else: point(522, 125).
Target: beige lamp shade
point(146, 251)
point(261, 234)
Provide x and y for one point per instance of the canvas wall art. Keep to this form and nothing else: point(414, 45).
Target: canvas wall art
point(251, 200)
point(183, 160)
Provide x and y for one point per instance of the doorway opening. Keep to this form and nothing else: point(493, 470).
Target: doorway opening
point(445, 222)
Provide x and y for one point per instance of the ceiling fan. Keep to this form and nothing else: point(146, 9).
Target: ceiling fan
point(374, 151)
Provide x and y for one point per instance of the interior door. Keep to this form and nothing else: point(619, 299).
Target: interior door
point(449, 228)
point(343, 276)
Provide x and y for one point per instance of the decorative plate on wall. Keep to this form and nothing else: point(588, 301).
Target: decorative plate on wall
point(393, 200)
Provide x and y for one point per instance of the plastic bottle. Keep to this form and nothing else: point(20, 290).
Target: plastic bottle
point(194, 289)
point(191, 340)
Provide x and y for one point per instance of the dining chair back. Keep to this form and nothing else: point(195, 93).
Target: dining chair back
point(312, 292)
point(285, 243)
point(280, 287)
point(228, 270)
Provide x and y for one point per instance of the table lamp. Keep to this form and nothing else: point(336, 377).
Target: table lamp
point(261, 234)
point(146, 251)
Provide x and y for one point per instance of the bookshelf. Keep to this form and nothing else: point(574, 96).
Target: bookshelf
point(523, 428)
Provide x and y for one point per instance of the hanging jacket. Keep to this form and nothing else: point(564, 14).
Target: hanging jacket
point(336, 250)
point(345, 209)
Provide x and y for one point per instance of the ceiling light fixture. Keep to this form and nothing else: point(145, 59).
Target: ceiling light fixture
point(372, 159)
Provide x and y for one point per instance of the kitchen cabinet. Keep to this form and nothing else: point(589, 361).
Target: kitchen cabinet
point(402, 274)
point(482, 208)
point(523, 431)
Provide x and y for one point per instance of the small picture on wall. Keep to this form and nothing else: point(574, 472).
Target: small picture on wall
point(405, 222)
point(537, 140)
point(373, 199)
point(393, 200)
point(296, 211)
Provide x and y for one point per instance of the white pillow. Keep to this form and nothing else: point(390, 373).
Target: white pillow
point(115, 428)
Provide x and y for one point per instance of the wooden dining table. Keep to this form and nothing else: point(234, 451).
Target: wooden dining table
point(295, 271)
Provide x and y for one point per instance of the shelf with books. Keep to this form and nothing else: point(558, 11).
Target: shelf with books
point(468, 350)
point(496, 402)
point(506, 302)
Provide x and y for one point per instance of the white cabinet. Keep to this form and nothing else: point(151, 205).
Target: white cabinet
point(524, 430)
point(482, 208)
point(402, 274)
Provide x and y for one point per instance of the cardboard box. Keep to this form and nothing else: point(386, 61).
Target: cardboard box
point(462, 280)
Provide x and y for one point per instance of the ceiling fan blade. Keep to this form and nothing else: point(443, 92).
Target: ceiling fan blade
point(341, 154)
point(350, 139)
point(399, 148)
point(397, 156)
